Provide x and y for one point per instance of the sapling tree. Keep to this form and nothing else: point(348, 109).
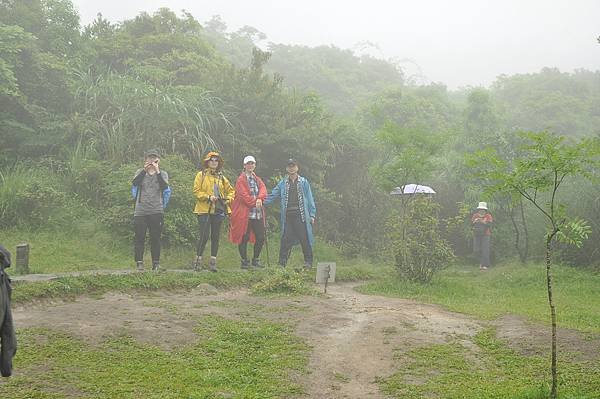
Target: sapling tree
point(545, 162)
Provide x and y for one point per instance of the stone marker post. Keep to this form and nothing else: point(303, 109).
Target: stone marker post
point(325, 273)
point(22, 258)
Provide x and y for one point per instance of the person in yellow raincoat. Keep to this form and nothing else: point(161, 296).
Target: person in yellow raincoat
point(214, 195)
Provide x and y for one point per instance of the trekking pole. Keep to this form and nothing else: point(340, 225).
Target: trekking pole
point(264, 218)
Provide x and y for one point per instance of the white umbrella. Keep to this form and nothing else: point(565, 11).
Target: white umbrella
point(412, 189)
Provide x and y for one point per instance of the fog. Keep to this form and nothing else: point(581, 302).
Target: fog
point(459, 43)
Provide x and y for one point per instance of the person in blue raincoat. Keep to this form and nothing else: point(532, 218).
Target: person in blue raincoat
point(298, 213)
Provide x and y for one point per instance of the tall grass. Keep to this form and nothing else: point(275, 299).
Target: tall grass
point(13, 184)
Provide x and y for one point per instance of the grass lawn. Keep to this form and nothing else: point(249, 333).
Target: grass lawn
point(492, 371)
point(231, 359)
point(506, 289)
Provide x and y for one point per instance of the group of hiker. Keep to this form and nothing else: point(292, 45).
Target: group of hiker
point(244, 204)
point(217, 199)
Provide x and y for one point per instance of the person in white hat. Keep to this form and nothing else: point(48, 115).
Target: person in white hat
point(482, 222)
point(248, 214)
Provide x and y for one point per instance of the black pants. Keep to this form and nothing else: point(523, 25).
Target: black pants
point(295, 230)
point(257, 226)
point(209, 226)
point(153, 223)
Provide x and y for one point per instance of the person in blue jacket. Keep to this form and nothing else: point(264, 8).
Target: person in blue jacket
point(151, 192)
point(298, 213)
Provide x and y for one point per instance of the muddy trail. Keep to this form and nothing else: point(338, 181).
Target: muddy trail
point(355, 338)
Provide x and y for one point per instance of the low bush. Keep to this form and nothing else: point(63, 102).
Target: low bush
point(418, 247)
point(30, 197)
point(283, 282)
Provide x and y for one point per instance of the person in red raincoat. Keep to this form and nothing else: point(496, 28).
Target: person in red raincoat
point(482, 230)
point(247, 213)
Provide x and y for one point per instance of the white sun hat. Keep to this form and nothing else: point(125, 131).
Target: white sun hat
point(249, 158)
point(482, 205)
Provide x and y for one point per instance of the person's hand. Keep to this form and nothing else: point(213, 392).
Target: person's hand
point(312, 220)
point(213, 199)
point(153, 165)
point(258, 203)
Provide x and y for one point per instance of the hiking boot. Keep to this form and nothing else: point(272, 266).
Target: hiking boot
point(139, 265)
point(155, 266)
point(256, 263)
point(307, 265)
point(197, 264)
point(212, 265)
point(245, 264)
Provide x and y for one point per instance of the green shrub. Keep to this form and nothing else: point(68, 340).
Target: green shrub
point(30, 197)
point(418, 247)
point(181, 224)
point(86, 179)
point(116, 210)
point(283, 282)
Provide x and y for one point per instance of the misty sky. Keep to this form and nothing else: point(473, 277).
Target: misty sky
point(458, 42)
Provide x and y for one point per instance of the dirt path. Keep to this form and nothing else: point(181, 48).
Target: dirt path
point(355, 338)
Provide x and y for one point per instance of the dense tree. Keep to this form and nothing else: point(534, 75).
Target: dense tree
point(39, 42)
point(551, 100)
point(427, 108)
point(343, 79)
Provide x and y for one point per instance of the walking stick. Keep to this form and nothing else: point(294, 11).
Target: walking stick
point(264, 218)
